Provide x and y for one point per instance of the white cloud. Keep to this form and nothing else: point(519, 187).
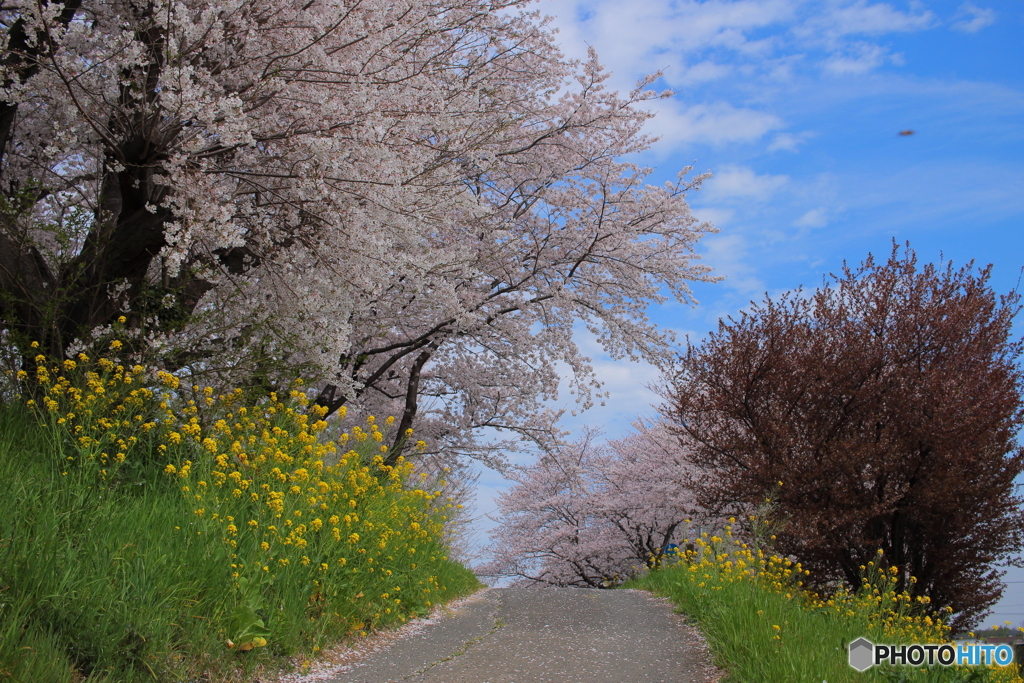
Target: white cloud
point(753, 45)
point(717, 123)
point(859, 58)
point(637, 37)
point(715, 215)
point(741, 182)
point(843, 32)
point(724, 24)
point(815, 218)
point(789, 142)
point(713, 23)
point(729, 255)
point(977, 193)
point(972, 18)
point(862, 18)
point(626, 383)
point(702, 72)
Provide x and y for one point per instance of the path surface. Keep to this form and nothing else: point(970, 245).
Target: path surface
point(542, 635)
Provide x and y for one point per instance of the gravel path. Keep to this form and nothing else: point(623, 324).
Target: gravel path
point(540, 635)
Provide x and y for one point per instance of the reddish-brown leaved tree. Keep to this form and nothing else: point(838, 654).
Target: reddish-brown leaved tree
point(886, 405)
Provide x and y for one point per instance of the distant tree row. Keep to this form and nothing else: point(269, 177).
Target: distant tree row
point(593, 515)
point(879, 412)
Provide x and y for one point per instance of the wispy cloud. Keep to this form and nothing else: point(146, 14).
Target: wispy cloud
point(970, 18)
point(729, 59)
point(815, 218)
point(702, 72)
point(618, 29)
point(789, 142)
point(730, 255)
point(844, 33)
point(626, 383)
point(858, 58)
point(698, 42)
point(741, 182)
point(835, 21)
point(714, 123)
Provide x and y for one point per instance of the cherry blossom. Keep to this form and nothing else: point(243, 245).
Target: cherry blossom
point(410, 204)
point(593, 515)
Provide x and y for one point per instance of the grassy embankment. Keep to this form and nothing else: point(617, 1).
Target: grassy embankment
point(763, 627)
point(144, 537)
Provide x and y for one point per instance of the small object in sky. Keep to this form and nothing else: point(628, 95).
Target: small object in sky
point(906, 132)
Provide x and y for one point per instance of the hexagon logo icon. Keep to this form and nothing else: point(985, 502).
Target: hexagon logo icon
point(861, 654)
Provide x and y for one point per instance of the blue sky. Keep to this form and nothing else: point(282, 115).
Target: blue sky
point(796, 108)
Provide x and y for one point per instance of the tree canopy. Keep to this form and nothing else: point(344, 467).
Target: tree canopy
point(409, 203)
point(594, 515)
point(879, 412)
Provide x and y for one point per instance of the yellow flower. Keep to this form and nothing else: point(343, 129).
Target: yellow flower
point(168, 380)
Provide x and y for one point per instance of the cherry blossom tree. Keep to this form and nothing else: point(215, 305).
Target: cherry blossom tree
point(408, 203)
point(549, 532)
point(593, 515)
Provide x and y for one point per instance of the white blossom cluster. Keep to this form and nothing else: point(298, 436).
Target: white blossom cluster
point(593, 516)
point(414, 201)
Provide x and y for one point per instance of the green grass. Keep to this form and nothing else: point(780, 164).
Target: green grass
point(119, 580)
point(766, 630)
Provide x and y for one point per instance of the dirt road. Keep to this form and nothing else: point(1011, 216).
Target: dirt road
point(541, 635)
